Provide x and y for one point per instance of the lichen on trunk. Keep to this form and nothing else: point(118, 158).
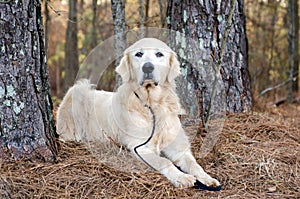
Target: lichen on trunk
point(118, 13)
point(202, 25)
point(26, 125)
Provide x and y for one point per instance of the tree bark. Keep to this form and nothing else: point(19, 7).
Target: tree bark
point(71, 47)
point(118, 13)
point(94, 23)
point(47, 23)
point(293, 46)
point(26, 122)
point(147, 5)
point(162, 6)
point(142, 18)
point(205, 25)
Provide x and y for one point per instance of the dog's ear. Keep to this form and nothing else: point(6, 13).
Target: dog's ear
point(174, 68)
point(124, 69)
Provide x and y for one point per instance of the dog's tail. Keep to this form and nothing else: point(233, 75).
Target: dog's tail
point(73, 115)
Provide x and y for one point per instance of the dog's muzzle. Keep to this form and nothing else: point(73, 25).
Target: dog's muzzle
point(148, 68)
point(148, 78)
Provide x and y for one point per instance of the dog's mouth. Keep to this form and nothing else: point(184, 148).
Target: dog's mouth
point(149, 83)
point(148, 80)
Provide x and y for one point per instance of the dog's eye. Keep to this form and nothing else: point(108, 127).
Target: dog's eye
point(139, 54)
point(159, 54)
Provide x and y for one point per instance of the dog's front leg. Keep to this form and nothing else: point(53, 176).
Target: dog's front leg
point(165, 167)
point(181, 156)
point(189, 165)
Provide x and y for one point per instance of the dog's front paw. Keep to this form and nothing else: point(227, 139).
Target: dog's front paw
point(183, 180)
point(209, 181)
point(178, 178)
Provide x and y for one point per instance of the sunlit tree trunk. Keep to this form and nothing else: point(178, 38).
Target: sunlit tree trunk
point(26, 122)
point(293, 46)
point(162, 13)
point(71, 47)
point(220, 36)
point(142, 18)
point(118, 13)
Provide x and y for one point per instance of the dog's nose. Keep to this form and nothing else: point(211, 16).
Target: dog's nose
point(148, 67)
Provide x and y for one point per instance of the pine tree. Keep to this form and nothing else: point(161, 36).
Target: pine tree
point(118, 13)
point(26, 122)
point(217, 30)
point(71, 47)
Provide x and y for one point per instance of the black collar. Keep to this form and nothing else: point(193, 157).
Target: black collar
point(137, 95)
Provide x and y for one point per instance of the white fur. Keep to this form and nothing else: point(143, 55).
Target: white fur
point(85, 112)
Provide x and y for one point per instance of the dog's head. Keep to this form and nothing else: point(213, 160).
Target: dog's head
point(149, 61)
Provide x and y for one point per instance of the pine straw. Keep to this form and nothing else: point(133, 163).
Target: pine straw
point(257, 156)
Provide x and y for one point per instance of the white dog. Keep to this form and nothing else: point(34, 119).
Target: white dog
point(145, 104)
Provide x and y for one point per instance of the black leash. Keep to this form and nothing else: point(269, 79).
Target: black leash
point(198, 184)
point(151, 135)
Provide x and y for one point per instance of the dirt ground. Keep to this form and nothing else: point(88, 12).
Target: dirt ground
point(257, 156)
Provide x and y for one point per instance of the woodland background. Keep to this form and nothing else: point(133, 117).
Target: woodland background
point(267, 32)
point(256, 156)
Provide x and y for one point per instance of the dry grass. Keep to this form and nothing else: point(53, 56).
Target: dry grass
point(257, 156)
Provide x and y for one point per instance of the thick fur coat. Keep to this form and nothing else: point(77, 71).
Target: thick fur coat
point(148, 70)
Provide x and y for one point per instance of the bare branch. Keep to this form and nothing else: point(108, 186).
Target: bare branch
point(294, 78)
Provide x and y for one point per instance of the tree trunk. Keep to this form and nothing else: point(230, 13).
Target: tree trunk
point(118, 13)
point(293, 46)
point(147, 4)
point(94, 23)
point(162, 13)
point(47, 23)
point(71, 49)
point(214, 44)
point(26, 123)
point(142, 18)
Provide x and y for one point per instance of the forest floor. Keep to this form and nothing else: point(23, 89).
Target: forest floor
point(257, 156)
